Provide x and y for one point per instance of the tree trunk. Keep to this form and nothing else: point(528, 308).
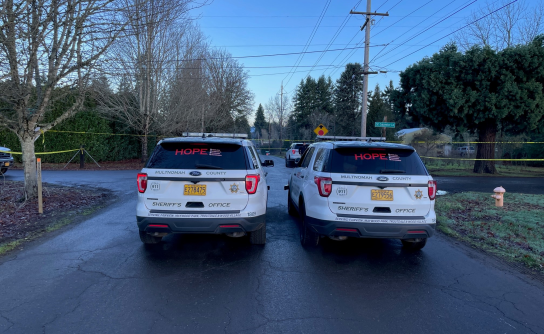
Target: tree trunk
point(486, 149)
point(29, 167)
point(144, 148)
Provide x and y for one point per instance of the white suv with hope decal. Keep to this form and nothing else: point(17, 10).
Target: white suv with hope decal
point(363, 189)
point(207, 184)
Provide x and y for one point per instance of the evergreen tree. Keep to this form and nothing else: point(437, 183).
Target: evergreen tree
point(260, 121)
point(305, 102)
point(481, 90)
point(347, 101)
point(378, 108)
point(324, 95)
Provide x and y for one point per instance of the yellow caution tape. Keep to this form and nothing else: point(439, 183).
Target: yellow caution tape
point(483, 159)
point(41, 153)
point(103, 133)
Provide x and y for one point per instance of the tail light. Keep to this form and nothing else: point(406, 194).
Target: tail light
point(142, 182)
point(432, 190)
point(293, 151)
point(252, 182)
point(324, 185)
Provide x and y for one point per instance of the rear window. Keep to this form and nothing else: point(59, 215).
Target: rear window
point(198, 156)
point(376, 161)
point(298, 146)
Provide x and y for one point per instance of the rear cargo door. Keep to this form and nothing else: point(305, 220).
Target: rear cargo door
point(378, 182)
point(197, 177)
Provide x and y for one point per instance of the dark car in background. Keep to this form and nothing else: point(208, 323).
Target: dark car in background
point(6, 160)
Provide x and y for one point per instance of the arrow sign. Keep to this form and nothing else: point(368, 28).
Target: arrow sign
point(321, 130)
point(384, 124)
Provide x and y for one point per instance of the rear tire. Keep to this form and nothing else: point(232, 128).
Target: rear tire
point(258, 237)
point(3, 171)
point(414, 244)
point(149, 239)
point(286, 162)
point(308, 237)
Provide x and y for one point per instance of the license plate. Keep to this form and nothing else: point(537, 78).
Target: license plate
point(6, 164)
point(381, 195)
point(194, 190)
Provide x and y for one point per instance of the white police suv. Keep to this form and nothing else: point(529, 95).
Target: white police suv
point(362, 189)
point(293, 153)
point(203, 184)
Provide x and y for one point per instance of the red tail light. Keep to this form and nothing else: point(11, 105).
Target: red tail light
point(432, 190)
point(142, 182)
point(294, 151)
point(324, 185)
point(252, 182)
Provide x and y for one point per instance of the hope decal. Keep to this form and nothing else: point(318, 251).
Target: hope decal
point(199, 151)
point(377, 156)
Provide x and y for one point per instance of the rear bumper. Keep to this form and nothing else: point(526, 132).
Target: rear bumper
point(372, 230)
point(201, 225)
point(4, 161)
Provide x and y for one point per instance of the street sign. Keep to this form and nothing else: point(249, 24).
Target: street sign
point(384, 124)
point(321, 130)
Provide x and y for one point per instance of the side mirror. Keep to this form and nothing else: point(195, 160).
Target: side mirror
point(297, 162)
point(268, 163)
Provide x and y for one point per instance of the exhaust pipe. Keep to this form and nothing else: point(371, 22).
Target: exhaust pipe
point(338, 237)
point(235, 234)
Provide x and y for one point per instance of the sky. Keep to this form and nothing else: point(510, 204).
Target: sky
point(414, 29)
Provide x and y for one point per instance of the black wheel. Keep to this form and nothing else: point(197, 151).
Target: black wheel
point(286, 162)
point(308, 237)
point(3, 171)
point(290, 206)
point(414, 244)
point(149, 239)
point(258, 237)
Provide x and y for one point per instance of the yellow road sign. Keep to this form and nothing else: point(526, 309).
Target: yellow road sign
point(321, 130)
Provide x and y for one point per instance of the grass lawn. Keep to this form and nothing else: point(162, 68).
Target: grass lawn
point(465, 169)
point(514, 232)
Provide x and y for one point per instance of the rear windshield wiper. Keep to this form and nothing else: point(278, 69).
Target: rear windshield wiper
point(392, 171)
point(202, 166)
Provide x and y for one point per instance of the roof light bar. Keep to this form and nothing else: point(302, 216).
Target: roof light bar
point(345, 138)
point(221, 135)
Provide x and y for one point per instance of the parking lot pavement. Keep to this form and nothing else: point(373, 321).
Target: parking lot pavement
point(96, 276)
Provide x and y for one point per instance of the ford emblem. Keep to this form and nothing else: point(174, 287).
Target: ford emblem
point(195, 173)
point(380, 178)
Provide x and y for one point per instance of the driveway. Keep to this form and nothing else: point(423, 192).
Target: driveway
point(96, 276)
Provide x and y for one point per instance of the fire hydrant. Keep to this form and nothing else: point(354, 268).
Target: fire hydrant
point(499, 196)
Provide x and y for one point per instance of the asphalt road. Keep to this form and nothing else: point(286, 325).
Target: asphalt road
point(96, 276)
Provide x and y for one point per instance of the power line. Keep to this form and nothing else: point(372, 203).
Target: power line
point(451, 33)
point(310, 39)
point(407, 32)
point(335, 36)
point(349, 55)
point(428, 28)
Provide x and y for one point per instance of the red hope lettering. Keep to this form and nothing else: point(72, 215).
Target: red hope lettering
point(368, 156)
point(188, 151)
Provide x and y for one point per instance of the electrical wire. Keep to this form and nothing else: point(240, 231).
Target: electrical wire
point(453, 32)
point(310, 39)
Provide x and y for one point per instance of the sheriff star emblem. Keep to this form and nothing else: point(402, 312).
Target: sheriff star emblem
point(234, 188)
point(419, 194)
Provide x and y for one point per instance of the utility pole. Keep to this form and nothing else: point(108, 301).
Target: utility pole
point(367, 23)
point(281, 115)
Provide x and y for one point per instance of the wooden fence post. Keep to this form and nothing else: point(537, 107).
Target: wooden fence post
point(39, 171)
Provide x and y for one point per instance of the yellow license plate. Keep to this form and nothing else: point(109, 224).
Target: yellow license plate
point(6, 164)
point(381, 195)
point(194, 190)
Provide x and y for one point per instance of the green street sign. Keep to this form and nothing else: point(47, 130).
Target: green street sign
point(384, 124)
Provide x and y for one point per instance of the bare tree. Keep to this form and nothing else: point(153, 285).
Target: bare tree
point(516, 23)
point(279, 112)
point(229, 96)
point(48, 50)
point(145, 58)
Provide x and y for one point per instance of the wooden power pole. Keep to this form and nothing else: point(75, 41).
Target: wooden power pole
point(367, 23)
